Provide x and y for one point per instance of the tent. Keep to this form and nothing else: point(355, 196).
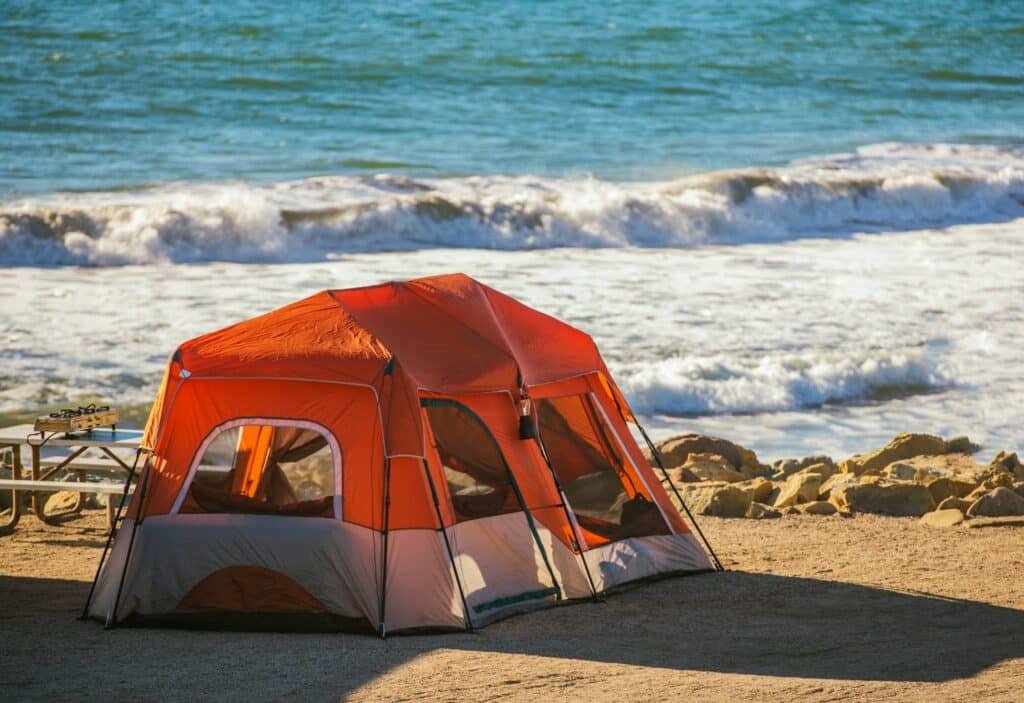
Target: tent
point(420, 455)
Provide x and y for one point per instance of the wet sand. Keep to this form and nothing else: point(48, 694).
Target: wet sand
point(810, 608)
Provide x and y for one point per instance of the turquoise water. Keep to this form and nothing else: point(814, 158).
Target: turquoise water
point(110, 95)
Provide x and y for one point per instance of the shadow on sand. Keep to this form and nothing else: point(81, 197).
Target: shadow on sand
point(736, 622)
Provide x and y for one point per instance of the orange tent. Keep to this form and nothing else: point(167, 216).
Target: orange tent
point(420, 454)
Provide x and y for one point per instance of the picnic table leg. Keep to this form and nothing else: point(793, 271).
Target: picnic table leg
point(12, 520)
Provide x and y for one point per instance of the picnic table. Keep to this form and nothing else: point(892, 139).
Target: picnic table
point(55, 457)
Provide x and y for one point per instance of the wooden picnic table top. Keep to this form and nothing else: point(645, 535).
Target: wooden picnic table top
point(98, 437)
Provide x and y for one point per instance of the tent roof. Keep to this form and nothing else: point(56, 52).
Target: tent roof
point(449, 333)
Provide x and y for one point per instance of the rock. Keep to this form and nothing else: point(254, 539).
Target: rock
point(954, 503)
point(906, 499)
point(839, 479)
point(712, 467)
point(961, 445)
point(902, 446)
point(942, 488)
point(760, 489)
point(819, 464)
point(943, 518)
point(1010, 521)
point(817, 507)
point(799, 488)
point(900, 471)
point(681, 474)
point(791, 510)
point(999, 502)
point(715, 498)
point(1009, 463)
point(61, 502)
point(760, 511)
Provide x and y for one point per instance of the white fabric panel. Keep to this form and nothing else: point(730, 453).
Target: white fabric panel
point(640, 557)
point(338, 563)
point(421, 590)
point(106, 584)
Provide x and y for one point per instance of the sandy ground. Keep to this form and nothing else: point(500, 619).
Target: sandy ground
point(811, 608)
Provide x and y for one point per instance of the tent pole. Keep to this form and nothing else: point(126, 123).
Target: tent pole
point(384, 560)
point(110, 535)
point(657, 457)
point(448, 547)
point(572, 524)
point(112, 615)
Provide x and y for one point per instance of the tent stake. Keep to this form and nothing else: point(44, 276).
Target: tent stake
point(110, 535)
point(657, 457)
point(448, 547)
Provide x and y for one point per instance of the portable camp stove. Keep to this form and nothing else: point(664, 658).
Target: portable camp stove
point(80, 419)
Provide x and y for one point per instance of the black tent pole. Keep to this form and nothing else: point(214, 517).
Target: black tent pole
point(111, 533)
point(657, 457)
point(384, 560)
point(112, 616)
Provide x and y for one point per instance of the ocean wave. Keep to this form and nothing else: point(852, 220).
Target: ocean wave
point(694, 386)
point(886, 187)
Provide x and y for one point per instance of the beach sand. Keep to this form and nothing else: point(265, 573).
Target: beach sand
point(810, 608)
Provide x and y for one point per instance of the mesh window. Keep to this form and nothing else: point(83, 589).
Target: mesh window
point(264, 469)
point(609, 504)
point(478, 478)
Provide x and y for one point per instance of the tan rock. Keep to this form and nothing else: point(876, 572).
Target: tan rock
point(954, 503)
point(715, 498)
point(675, 451)
point(942, 488)
point(799, 488)
point(999, 502)
point(784, 468)
point(902, 447)
point(760, 511)
point(900, 471)
point(908, 499)
point(681, 474)
point(1009, 463)
point(822, 469)
point(760, 489)
point(1009, 521)
point(60, 502)
point(833, 481)
point(943, 518)
point(712, 467)
point(817, 507)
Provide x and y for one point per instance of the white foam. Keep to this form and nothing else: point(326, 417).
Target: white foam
point(877, 188)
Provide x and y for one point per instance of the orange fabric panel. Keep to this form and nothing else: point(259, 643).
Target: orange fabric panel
point(251, 456)
point(250, 589)
point(311, 338)
point(638, 463)
point(411, 504)
point(439, 351)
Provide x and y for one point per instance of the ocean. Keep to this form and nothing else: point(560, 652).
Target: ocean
point(799, 225)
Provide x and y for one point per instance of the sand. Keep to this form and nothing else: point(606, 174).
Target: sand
point(811, 608)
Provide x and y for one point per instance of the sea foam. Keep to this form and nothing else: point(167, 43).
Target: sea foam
point(883, 187)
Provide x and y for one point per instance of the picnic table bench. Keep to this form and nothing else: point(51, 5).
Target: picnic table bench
point(56, 457)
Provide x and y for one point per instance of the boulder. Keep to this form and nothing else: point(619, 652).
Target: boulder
point(760, 511)
point(904, 499)
point(902, 447)
point(1008, 463)
point(954, 503)
point(817, 507)
point(840, 479)
point(943, 518)
point(60, 502)
point(681, 474)
point(799, 488)
point(900, 471)
point(824, 465)
point(715, 498)
point(999, 502)
point(760, 489)
point(1010, 521)
point(942, 488)
point(675, 451)
point(712, 467)
point(961, 445)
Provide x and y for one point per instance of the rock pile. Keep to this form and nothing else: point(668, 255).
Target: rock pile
point(914, 475)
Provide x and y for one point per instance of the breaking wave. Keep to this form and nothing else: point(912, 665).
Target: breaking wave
point(883, 187)
point(693, 386)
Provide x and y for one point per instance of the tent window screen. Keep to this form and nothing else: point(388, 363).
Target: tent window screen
point(478, 478)
point(607, 500)
point(264, 469)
